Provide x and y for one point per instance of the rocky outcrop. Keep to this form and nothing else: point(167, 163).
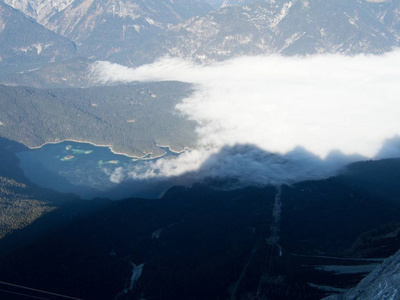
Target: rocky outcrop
point(381, 284)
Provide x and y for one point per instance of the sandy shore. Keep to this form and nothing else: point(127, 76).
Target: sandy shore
point(111, 149)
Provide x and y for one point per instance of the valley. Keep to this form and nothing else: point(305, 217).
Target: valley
point(89, 171)
point(199, 149)
point(215, 242)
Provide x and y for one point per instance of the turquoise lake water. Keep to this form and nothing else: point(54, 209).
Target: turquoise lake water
point(87, 170)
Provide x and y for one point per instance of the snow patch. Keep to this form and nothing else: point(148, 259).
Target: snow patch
point(137, 28)
point(2, 25)
point(156, 234)
point(84, 6)
point(150, 21)
point(136, 273)
point(359, 269)
point(351, 20)
point(35, 47)
point(125, 10)
point(279, 17)
point(289, 41)
point(38, 48)
point(306, 4)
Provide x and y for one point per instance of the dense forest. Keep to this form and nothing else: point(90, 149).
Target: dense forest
point(132, 119)
point(25, 205)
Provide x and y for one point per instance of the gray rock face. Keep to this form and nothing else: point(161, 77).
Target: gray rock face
point(381, 284)
point(23, 41)
point(110, 29)
point(236, 2)
point(388, 13)
point(137, 32)
point(215, 3)
point(296, 27)
point(39, 10)
point(113, 29)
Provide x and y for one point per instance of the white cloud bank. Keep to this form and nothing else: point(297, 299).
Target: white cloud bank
point(320, 103)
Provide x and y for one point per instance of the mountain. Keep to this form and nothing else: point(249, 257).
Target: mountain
point(23, 41)
point(388, 12)
point(138, 32)
point(73, 72)
point(202, 242)
point(111, 29)
point(236, 2)
point(215, 3)
point(295, 27)
point(221, 3)
point(216, 239)
point(382, 283)
point(39, 10)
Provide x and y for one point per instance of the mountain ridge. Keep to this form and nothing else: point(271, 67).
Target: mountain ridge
point(109, 29)
point(296, 27)
point(34, 44)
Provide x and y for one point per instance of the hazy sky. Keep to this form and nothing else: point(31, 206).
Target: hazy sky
point(320, 103)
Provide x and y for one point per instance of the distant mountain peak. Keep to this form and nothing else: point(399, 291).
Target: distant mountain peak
point(24, 41)
point(39, 10)
point(289, 27)
point(107, 29)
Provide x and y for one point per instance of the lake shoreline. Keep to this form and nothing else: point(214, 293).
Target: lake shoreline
point(143, 157)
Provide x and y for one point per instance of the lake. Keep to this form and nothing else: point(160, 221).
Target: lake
point(88, 170)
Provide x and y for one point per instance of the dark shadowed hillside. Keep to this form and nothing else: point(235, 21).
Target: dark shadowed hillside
point(198, 242)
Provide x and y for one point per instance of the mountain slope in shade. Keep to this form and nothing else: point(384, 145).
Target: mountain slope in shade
point(206, 243)
point(296, 27)
point(23, 41)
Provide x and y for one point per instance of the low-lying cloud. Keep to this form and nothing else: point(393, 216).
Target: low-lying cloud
point(277, 104)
